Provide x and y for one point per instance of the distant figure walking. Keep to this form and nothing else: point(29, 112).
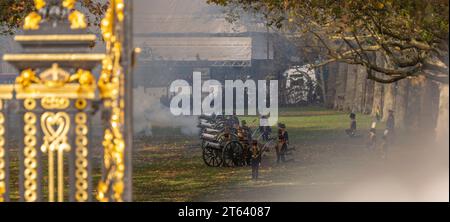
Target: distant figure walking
point(256, 160)
point(283, 141)
point(351, 132)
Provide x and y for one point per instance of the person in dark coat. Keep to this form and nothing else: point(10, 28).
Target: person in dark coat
point(283, 142)
point(256, 160)
point(244, 136)
point(351, 132)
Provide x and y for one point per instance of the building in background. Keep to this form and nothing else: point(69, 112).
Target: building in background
point(178, 37)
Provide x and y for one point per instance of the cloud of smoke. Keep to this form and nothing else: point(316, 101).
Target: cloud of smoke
point(149, 112)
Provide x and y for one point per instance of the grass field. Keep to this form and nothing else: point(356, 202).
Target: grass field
point(174, 170)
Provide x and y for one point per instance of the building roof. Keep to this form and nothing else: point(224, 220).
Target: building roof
point(185, 16)
point(195, 48)
point(193, 31)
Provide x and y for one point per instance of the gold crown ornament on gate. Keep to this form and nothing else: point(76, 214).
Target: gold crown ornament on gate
point(76, 18)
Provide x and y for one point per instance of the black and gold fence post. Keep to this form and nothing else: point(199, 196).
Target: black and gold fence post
point(56, 89)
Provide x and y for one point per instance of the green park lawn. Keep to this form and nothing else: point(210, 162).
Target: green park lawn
point(174, 170)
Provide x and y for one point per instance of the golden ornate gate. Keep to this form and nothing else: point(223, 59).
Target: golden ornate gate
point(58, 93)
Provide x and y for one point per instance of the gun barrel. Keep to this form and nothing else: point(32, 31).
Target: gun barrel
point(208, 137)
point(206, 125)
point(212, 131)
point(213, 145)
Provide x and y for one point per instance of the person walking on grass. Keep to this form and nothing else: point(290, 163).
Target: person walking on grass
point(256, 159)
point(283, 142)
point(351, 132)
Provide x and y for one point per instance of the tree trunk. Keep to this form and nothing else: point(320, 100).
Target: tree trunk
point(341, 80)
point(401, 103)
point(443, 115)
point(369, 97)
point(415, 92)
point(322, 84)
point(378, 89)
point(333, 70)
point(389, 99)
point(378, 98)
point(360, 90)
point(429, 106)
point(350, 88)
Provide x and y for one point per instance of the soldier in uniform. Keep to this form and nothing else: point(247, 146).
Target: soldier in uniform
point(256, 159)
point(352, 130)
point(243, 136)
point(283, 141)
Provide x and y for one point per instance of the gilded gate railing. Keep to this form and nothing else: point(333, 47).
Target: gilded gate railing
point(58, 92)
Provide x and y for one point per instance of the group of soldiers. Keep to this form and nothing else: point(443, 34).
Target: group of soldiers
point(281, 148)
point(388, 133)
point(253, 150)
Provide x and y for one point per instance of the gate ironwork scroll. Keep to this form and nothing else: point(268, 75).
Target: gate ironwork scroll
point(59, 94)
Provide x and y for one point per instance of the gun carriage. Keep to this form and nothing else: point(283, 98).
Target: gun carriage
point(224, 141)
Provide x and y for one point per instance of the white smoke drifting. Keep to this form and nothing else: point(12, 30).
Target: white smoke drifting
point(149, 112)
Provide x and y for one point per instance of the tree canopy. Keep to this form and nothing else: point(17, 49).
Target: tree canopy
point(13, 12)
point(411, 34)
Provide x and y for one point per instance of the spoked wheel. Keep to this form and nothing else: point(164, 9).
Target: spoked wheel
point(212, 157)
point(233, 153)
point(221, 138)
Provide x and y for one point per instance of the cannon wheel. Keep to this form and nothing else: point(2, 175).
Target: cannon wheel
point(221, 138)
point(212, 157)
point(233, 153)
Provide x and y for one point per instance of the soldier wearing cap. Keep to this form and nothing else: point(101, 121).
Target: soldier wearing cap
point(283, 141)
point(352, 130)
point(256, 159)
point(244, 136)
